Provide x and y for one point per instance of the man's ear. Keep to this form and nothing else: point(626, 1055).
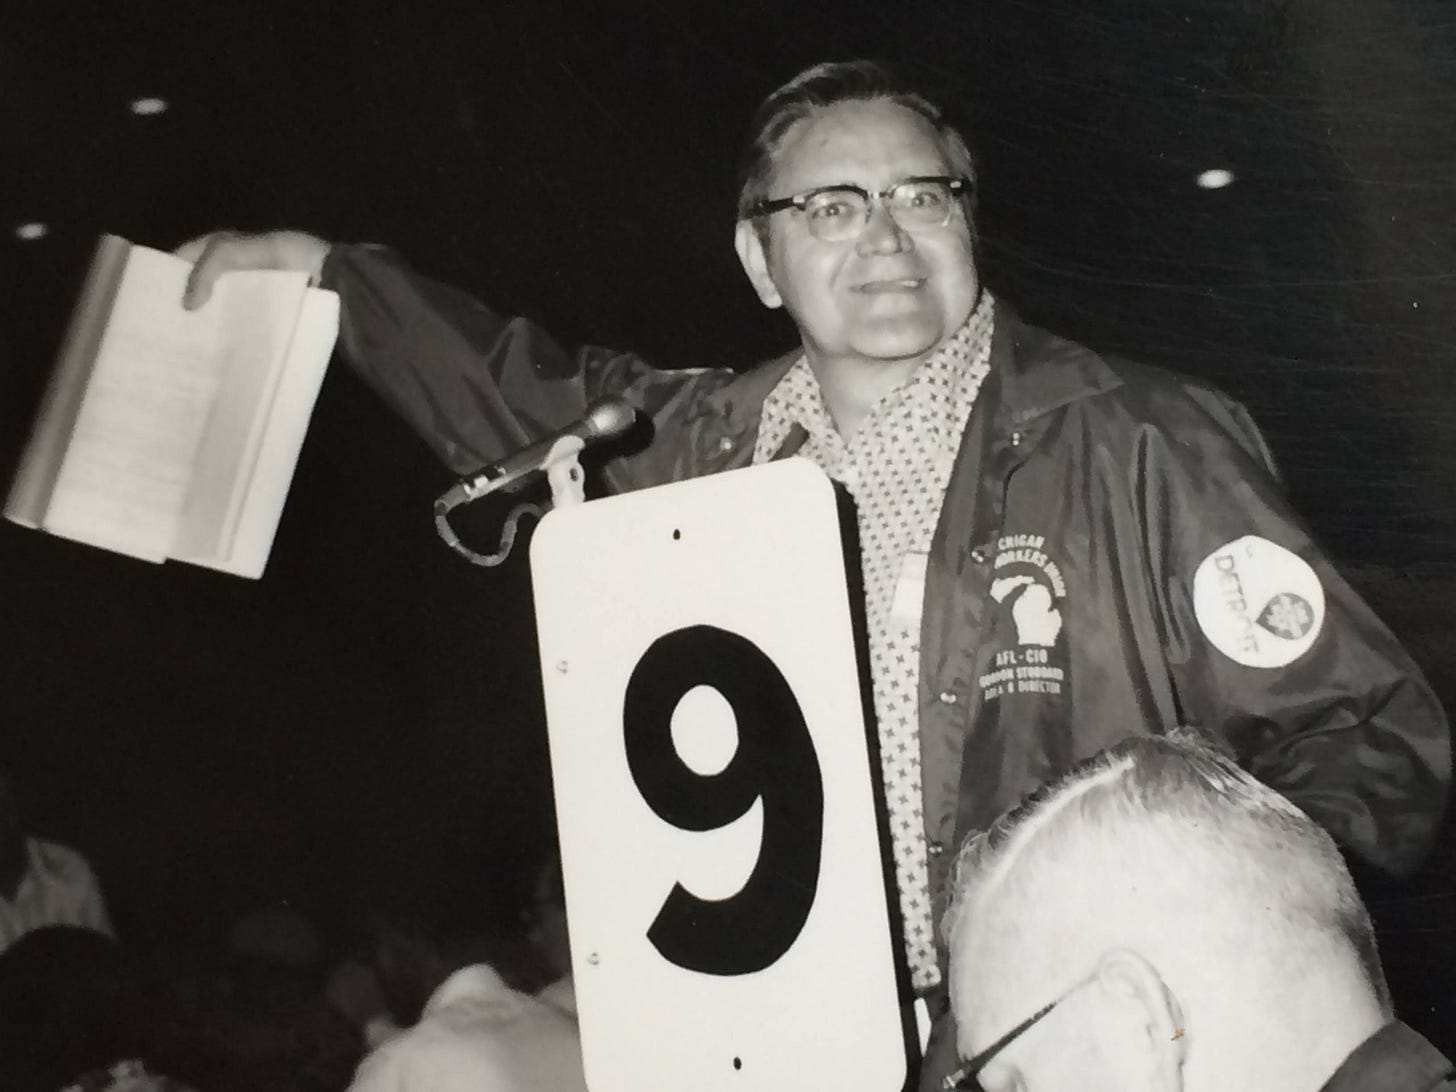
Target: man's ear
point(1143, 1018)
point(755, 263)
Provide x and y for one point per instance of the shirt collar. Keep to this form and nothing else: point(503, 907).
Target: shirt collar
point(798, 386)
point(479, 981)
point(1038, 373)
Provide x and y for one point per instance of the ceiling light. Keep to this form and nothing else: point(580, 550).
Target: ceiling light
point(146, 107)
point(1215, 179)
point(32, 231)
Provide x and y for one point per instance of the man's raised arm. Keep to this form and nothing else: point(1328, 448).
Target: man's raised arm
point(474, 384)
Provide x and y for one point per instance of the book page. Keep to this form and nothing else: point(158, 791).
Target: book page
point(40, 463)
point(260, 494)
point(127, 471)
point(258, 314)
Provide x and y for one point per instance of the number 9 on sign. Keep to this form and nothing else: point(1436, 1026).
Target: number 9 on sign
point(774, 762)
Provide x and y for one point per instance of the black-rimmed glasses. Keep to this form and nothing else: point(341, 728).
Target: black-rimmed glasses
point(967, 1077)
point(837, 214)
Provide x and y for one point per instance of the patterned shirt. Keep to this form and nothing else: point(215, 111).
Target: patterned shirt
point(896, 467)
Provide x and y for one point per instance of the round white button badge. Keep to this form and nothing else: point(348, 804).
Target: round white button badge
point(1260, 604)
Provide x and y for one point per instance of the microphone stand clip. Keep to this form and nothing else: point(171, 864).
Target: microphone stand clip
point(563, 473)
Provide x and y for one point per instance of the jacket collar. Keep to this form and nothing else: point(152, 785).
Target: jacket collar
point(1394, 1057)
point(740, 403)
point(1040, 372)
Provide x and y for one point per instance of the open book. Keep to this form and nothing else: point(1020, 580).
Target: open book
point(168, 433)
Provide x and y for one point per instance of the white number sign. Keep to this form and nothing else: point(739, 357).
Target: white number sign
point(725, 892)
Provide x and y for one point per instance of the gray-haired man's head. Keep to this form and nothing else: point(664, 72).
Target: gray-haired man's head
point(1170, 923)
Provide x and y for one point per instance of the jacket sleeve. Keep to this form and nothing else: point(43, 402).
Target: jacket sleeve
point(1271, 649)
point(473, 384)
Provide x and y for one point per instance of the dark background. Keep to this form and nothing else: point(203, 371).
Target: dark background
point(214, 744)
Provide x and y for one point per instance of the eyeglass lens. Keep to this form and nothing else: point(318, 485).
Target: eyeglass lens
point(916, 206)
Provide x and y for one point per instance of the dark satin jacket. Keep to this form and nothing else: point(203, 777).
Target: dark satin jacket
point(1115, 555)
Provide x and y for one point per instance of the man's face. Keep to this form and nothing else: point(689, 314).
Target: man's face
point(887, 295)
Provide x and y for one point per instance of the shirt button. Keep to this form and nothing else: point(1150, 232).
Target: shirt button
point(948, 697)
point(978, 555)
point(725, 445)
point(1016, 439)
point(937, 849)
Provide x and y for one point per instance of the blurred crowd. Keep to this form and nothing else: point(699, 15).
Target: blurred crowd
point(438, 981)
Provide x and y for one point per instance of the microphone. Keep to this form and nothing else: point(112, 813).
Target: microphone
point(607, 417)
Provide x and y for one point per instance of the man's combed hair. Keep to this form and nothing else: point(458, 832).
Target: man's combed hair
point(826, 85)
point(1183, 789)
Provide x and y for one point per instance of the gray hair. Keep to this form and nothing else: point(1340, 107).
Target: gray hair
point(1182, 789)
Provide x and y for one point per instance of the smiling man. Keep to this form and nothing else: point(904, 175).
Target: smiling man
point(1159, 921)
point(877, 272)
point(1058, 549)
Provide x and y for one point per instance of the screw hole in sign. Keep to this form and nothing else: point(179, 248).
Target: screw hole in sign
point(676, 535)
point(737, 1063)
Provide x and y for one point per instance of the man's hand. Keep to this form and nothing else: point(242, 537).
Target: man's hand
point(225, 251)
